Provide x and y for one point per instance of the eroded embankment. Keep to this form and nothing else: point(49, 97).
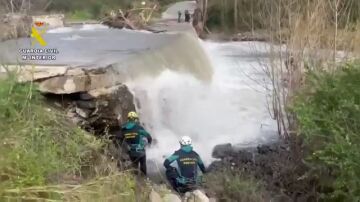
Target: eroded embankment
point(97, 97)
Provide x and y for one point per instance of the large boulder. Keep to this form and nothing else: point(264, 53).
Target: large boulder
point(94, 98)
point(197, 196)
point(155, 197)
point(102, 109)
point(76, 80)
point(223, 150)
point(171, 198)
point(114, 103)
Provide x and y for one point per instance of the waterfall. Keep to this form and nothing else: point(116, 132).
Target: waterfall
point(209, 91)
point(231, 108)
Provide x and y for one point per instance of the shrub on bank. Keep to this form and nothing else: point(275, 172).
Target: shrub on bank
point(229, 185)
point(328, 114)
point(43, 156)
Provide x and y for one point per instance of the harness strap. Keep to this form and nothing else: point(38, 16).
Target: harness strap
point(184, 180)
point(136, 147)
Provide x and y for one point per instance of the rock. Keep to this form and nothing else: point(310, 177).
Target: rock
point(212, 200)
point(74, 117)
point(98, 102)
point(75, 72)
point(100, 110)
point(197, 196)
point(264, 149)
point(96, 93)
point(244, 157)
point(64, 84)
point(155, 197)
point(86, 104)
point(78, 80)
point(274, 164)
point(171, 198)
point(113, 103)
point(85, 96)
point(222, 151)
point(105, 112)
point(84, 113)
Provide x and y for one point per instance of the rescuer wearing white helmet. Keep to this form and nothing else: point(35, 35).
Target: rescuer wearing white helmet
point(182, 167)
point(134, 135)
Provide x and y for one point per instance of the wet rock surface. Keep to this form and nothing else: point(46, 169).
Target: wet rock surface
point(282, 171)
point(222, 151)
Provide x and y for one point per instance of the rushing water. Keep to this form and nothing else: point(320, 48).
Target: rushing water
point(230, 109)
point(227, 106)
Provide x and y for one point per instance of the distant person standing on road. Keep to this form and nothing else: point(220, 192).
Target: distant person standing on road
point(187, 16)
point(179, 16)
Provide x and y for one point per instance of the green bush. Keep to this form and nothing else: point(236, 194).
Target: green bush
point(96, 9)
point(80, 15)
point(234, 186)
point(328, 114)
point(43, 156)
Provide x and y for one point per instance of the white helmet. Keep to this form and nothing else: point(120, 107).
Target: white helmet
point(185, 140)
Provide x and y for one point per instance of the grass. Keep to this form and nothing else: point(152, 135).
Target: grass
point(43, 157)
point(117, 187)
point(235, 186)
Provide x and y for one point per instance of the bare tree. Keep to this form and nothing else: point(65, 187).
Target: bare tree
point(24, 6)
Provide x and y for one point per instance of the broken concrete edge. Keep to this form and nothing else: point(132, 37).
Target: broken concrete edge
point(63, 79)
point(81, 81)
point(26, 73)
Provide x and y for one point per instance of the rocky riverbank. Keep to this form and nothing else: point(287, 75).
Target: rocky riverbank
point(276, 166)
point(90, 98)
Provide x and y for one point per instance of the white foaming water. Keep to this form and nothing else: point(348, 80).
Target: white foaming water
point(61, 30)
point(231, 109)
point(90, 27)
point(138, 31)
point(86, 27)
point(72, 38)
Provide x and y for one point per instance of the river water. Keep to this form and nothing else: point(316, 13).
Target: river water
point(231, 107)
